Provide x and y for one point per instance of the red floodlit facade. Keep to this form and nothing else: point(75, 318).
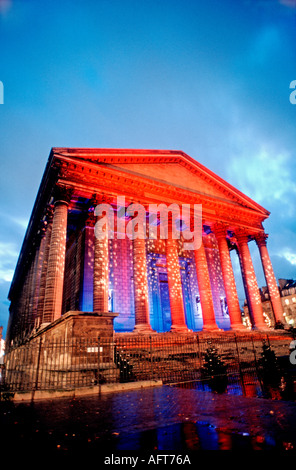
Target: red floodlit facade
point(151, 284)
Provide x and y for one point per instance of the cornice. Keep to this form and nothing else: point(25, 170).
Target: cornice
point(92, 177)
point(140, 156)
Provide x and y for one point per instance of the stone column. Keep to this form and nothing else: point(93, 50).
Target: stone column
point(175, 286)
point(254, 298)
point(270, 278)
point(26, 325)
point(37, 282)
point(46, 247)
point(37, 276)
point(56, 259)
point(35, 279)
point(204, 287)
point(140, 283)
point(87, 284)
point(228, 278)
point(101, 272)
point(244, 284)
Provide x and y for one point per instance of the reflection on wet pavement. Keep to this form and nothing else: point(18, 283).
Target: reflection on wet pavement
point(191, 436)
point(155, 419)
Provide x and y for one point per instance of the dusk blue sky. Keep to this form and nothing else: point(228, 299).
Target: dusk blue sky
point(210, 78)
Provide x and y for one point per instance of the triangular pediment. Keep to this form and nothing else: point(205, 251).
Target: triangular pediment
point(174, 168)
point(178, 176)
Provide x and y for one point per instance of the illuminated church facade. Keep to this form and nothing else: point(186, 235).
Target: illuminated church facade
point(151, 284)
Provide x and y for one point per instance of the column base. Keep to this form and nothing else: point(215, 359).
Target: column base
point(179, 329)
point(238, 326)
point(211, 328)
point(143, 328)
point(282, 320)
point(263, 327)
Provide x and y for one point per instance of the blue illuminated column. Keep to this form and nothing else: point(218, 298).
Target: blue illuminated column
point(228, 278)
point(140, 283)
point(204, 287)
point(86, 299)
point(101, 273)
point(175, 285)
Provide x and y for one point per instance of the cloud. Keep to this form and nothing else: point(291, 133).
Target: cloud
point(9, 250)
point(264, 173)
point(266, 45)
point(283, 268)
point(8, 258)
point(6, 275)
point(5, 6)
point(291, 257)
point(23, 223)
point(288, 3)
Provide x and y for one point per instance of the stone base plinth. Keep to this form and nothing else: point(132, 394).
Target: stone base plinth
point(238, 327)
point(179, 329)
point(76, 324)
point(144, 328)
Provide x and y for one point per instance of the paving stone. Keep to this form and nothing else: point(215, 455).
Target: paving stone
point(148, 420)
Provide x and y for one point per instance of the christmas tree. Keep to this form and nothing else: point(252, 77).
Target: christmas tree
point(270, 371)
point(214, 370)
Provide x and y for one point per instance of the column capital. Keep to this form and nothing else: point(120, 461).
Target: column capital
point(101, 198)
point(219, 229)
point(261, 239)
point(49, 212)
point(90, 219)
point(46, 220)
point(62, 194)
point(206, 242)
point(241, 236)
point(42, 227)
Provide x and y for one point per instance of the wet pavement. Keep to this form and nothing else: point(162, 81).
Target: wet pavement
point(160, 419)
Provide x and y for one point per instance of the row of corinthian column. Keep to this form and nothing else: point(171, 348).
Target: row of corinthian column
point(54, 266)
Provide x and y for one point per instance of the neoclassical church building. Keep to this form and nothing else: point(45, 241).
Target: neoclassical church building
point(149, 283)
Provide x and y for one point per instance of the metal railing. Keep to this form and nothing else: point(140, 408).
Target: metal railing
point(174, 359)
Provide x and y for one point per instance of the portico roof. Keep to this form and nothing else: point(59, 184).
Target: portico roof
point(172, 167)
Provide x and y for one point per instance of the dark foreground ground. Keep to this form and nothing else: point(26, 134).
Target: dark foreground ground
point(161, 420)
